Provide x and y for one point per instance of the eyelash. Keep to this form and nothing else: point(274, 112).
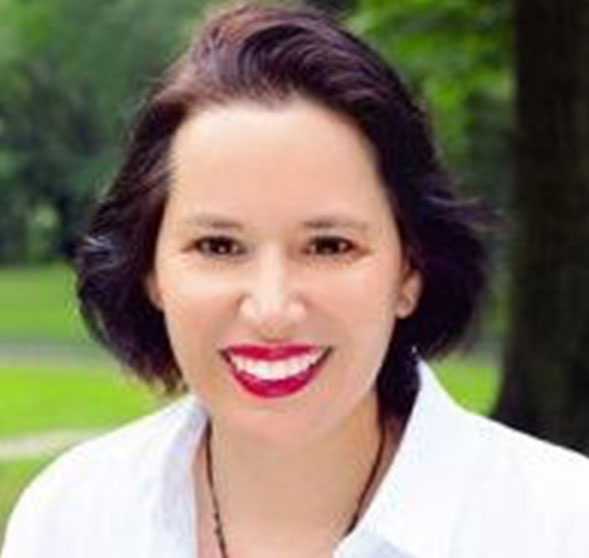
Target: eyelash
point(198, 245)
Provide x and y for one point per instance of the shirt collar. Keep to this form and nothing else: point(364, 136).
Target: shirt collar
point(414, 510)
point(175, 511)
point(420, 497)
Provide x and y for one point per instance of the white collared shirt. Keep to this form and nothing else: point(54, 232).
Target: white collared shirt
point(460, 486)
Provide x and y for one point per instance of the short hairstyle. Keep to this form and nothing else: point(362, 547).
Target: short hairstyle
point(268, 53)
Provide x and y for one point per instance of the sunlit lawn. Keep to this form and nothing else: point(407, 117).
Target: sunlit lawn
point(37, 303)
point(40, 398)
point(473, 385)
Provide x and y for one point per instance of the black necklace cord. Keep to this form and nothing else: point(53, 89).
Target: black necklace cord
point(369, 481)
point(219, 529)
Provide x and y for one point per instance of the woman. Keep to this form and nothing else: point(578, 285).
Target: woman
point(282, 243)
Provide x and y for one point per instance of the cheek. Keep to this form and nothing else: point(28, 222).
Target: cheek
point(364, 298)
point(374, 310)
point(184, 287)
point(362, 305)
point(196, 316)
point(194, 308)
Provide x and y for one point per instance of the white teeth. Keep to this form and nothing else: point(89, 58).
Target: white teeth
point(277, 370)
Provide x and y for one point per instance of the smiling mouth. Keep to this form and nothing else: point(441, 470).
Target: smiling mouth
point(277, 379)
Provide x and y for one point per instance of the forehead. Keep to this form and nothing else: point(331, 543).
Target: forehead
point(295, 154)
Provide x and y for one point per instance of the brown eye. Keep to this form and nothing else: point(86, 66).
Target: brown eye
point(217, 246)
point(332, 245)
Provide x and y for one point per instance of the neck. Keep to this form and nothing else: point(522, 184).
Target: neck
point(288, 494)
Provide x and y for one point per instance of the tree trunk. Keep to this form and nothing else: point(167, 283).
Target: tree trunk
point(546, 387)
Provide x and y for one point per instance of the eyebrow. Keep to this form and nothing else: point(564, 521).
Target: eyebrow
point(320, 222)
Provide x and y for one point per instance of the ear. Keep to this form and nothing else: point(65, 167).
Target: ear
point(152, 290)
point(409, 292)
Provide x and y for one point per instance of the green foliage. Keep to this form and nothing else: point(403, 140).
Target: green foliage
point(456, 55)
point(72, 73)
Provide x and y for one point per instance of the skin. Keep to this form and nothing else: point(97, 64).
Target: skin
point(289, 470)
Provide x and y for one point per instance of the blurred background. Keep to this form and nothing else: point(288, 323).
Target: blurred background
point(504, 82)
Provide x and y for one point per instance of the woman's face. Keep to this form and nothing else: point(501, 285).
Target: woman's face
point(277, 232)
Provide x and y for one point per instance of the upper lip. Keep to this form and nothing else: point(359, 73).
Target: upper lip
point(274, 352)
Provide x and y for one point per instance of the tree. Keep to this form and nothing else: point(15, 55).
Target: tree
point(456, 56)
point(72, 73)
point(546, 388)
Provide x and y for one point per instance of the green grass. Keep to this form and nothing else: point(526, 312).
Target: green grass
point(40, 398)
point(473, 385)
point(38, 303)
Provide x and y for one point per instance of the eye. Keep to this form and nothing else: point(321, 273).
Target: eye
point(333, 245)
point(217, 246)
point(224, 246)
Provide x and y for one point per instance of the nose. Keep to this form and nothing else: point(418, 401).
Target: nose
point(272, 306)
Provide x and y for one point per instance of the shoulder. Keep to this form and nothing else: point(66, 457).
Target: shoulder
point(93, 481)
point(514, 453)
point(113, 452)
point(535, 490)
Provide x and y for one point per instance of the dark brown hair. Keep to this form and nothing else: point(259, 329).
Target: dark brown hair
point(268, 53)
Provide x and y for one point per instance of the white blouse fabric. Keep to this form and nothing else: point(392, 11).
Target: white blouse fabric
point(460, 486)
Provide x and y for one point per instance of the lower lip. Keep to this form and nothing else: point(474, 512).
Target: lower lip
point(277, 388)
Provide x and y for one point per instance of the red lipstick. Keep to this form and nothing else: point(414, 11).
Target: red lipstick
point(279, 387)
point(271, 353)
